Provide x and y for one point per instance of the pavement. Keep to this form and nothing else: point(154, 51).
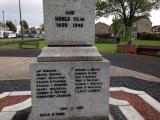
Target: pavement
point(134, 85)
point(140, 63)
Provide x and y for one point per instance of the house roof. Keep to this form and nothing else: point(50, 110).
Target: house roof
point(134, 20)
point(156, 26)
point(102, 24)
point(139, 17)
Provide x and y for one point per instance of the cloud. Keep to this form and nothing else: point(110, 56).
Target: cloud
point(32, 11)
point(155, 17)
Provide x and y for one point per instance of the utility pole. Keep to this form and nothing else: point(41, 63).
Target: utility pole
point(3, 21)
point(21, 19)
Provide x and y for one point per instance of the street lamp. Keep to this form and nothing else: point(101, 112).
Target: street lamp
point(21, 19)
point(3, 21)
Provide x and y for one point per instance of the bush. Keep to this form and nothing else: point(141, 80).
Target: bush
point(130, 42)
point(103, 36)
point(148, 36)
point(106, 41)
point(118, 40)
point(120, 51)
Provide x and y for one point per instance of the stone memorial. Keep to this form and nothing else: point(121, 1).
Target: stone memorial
point(70, 79)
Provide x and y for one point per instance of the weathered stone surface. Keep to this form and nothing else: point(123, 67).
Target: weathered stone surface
point(69, 22)
point(64, 90)
point(52, 54)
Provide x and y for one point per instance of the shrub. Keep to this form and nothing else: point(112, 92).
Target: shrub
point(107, 41)
point(118, 40)
point(130, 42)
point(120, 51)
point(148, 36)
point(103, 36)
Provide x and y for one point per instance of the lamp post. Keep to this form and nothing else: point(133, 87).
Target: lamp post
point(3, 21)
point(21, 19)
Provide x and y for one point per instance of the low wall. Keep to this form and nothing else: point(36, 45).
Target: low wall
point(151, 50)
point(148, 50)
point(128, 48)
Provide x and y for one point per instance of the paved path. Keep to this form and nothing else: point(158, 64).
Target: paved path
point(14, 68)
point(144, 64)
point(17, 68)
point(125, 103)
point(126, 77)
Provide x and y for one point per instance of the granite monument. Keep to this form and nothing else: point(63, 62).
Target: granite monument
point(70, 79)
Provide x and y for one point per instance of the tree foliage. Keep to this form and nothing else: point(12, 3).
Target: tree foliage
point(24, 24)
point(126, 9)
point(11, 26)
point(116, 25)
point(42, 27)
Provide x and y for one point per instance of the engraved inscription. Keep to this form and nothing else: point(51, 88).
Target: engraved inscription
point(61, 112)
point(86, 80)
point(50, 84)
point(63, 21)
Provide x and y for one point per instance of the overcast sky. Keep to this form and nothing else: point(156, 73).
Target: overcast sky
point(32, 12)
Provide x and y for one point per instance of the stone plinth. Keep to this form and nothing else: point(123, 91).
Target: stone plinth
point(70, 90)
point(53, 54)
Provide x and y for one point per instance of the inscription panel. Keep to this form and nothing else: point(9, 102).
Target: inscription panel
point(64, 90)
point(69, 22)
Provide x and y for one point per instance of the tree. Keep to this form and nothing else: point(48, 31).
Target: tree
point(126, 10)
point(116, 25)
point(42, 27)
point(11, 26)
point(24, 24)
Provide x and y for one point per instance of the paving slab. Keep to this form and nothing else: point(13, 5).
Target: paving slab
point(13, 68)
point(17, 68)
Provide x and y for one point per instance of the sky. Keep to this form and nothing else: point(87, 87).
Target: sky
point(32, 12)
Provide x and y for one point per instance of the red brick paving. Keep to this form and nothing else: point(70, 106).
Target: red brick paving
point(147, 111)
point(12, 100)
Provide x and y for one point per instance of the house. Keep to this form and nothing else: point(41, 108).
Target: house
point(3, 27)
point(32, 30)
point(156, 29)
point(140, 25)
point(102, 29)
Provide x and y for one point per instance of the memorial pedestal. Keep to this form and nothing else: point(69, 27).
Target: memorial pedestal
point(70, 90)
point(70, 79)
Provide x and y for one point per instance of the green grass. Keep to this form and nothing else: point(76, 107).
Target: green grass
point(106, 47)
point(144, 42)
point(16, 46)
point(111, 46)
point(13, 39)
point(103, 47)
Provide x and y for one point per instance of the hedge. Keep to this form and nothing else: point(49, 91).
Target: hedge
point(148, 36)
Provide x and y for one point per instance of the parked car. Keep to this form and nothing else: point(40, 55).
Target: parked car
point(24, 35)
point(11, 35)
point(7, 34)
point(1, 35)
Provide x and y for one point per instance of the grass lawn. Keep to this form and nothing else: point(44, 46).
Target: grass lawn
point(144, 42)
point(13, 39)
point(16, 46)
point(103, 47)
point(111, 47)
